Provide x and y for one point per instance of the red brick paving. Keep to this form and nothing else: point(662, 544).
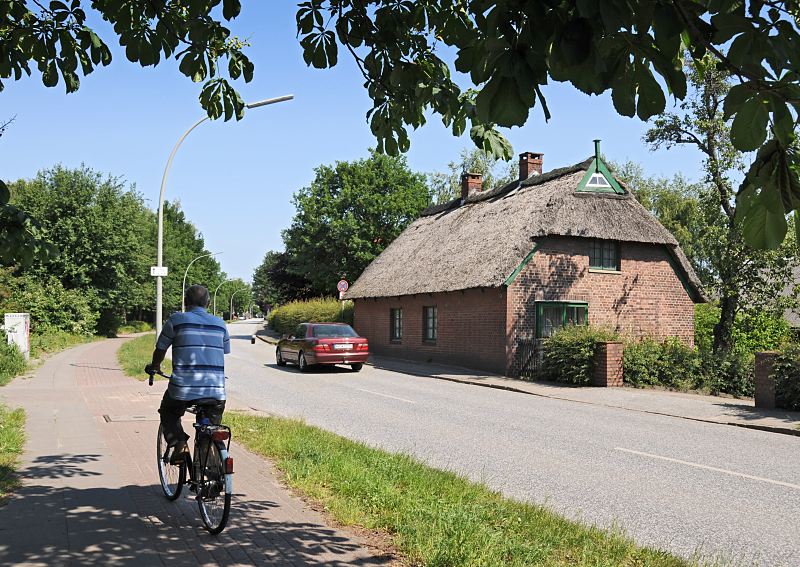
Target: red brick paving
point(91, 495)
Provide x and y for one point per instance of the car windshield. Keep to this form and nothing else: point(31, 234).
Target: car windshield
point(333, 331)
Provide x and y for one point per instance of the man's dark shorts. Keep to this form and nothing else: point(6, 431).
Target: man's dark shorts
point(172, 410)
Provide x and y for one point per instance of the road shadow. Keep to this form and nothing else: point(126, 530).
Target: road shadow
point(321, 369)
point(96, 367)
point(751, 413)
point(60, 466)
point(136, 525)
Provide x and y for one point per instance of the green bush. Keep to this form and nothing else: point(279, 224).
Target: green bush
point(569, 354)
point(132, 327)
point(285, 318)
point(787, 378)
point(729, 374)
point(52, 307)
point(752, 332)
point(12, 362)
point(54, 340)
point(668, 363)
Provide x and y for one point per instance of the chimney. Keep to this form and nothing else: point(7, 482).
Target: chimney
point(530, 163)
point(471, 183)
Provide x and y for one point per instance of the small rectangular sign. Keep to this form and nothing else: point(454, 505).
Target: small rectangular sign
point(18, 331)
point(156, 271)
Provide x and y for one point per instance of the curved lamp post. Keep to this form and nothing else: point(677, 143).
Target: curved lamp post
point(234, 293)
point(186, 273)
point(215, 293)
point(159, 279)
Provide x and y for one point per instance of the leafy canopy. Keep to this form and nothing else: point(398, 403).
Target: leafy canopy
point(509, 49)
point(348, 215)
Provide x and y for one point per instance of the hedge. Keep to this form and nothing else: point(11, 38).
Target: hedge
point(285, 318)
point(787, 378)
point(569, 354)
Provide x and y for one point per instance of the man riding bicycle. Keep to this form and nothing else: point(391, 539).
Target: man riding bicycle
point(199, 342)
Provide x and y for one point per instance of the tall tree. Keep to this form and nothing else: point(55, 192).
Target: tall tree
point(510, 49)
point(100, 230)
point(274, 283)
point(447, 186)
point(348, 215)
point(740, 276)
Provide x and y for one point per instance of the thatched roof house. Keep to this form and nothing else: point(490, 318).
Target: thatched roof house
point(485, 240)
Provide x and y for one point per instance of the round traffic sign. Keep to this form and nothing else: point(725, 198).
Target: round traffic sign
point(342, 285)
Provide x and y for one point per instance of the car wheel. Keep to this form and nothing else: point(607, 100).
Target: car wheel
point(301, 362)
point(357, 366)
point(279, 358)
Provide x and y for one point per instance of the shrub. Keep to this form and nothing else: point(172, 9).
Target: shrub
point(787, 378)
point(669, 363)
point(132, 327)
point(52, 307)
point(12, 362)
point(731, 373)
point(752, 332)
point(569, 353)
point(285, 318)
point(54, 340)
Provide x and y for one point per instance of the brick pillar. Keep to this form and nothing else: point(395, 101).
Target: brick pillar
point(608, 365)
point(765, 383)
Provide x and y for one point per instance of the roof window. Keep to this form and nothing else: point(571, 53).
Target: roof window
point(598, 181)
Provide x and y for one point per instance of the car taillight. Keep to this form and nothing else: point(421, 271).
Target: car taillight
point(220, 435)
point(322, 348)
point(229, 465)
point(362, 346)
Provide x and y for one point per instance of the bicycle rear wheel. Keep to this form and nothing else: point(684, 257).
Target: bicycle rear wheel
point(172, 477)
point(213, 490)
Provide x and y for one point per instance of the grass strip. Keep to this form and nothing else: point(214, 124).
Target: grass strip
point(12, 439)
point(135, 354)
point(135, 327)
point(433, 517)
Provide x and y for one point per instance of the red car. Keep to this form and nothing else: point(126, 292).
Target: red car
point(323, 343)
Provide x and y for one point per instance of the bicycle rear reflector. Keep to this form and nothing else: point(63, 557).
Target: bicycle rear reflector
point(220, 435)
point(229, 465)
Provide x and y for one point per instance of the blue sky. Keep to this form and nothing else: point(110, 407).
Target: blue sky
point(236, 180)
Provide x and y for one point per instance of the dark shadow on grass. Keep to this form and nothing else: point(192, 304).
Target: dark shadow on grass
point(136, 525)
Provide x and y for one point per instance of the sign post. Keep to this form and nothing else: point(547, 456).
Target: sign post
point(18, 331)
point(342, 286)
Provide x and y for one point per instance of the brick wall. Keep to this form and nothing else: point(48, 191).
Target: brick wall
point(471, 327)
point(645, 298)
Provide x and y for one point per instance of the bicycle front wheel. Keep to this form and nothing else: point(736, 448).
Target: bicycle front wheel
point(172, 477)
point(213, 489)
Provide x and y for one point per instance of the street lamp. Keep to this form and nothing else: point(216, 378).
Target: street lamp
point(159, 278)
point(234, 293)
point(186, 273)
point(215, 294)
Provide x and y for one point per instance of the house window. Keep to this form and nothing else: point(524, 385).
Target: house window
point(553, 315)
point(430, 323)
point(395, 324)
point(604, 255)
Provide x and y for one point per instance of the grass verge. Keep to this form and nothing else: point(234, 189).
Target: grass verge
point(433, 517)
point(136, 353)
point(135, 327)
point(49, 342)
point(12, 438)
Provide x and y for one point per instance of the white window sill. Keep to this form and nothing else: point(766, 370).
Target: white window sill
point(602, 271)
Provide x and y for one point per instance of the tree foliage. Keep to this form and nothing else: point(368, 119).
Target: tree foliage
point(445, 186)
point(348, 215)
point(274, 284)
point(102, 241)
point(509, 49)
point(743, 277)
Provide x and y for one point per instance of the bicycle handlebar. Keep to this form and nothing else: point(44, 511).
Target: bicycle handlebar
point(151, 374)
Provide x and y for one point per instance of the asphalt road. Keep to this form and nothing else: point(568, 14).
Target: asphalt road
point(688, 487)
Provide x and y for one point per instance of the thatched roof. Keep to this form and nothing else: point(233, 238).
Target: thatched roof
point(480, 242)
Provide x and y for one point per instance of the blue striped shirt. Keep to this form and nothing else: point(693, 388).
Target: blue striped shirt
point(199, 343)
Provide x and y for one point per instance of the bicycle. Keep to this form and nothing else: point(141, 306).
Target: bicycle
point(209, 467)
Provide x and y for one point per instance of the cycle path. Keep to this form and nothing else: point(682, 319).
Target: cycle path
point(90, 491)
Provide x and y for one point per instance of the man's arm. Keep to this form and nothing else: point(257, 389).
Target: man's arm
point(155, 365)
point(163, 343)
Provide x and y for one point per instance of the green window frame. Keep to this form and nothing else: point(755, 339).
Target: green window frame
point(553, 315)
point(430, 323)
point(396, 324)
point(604, 255)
